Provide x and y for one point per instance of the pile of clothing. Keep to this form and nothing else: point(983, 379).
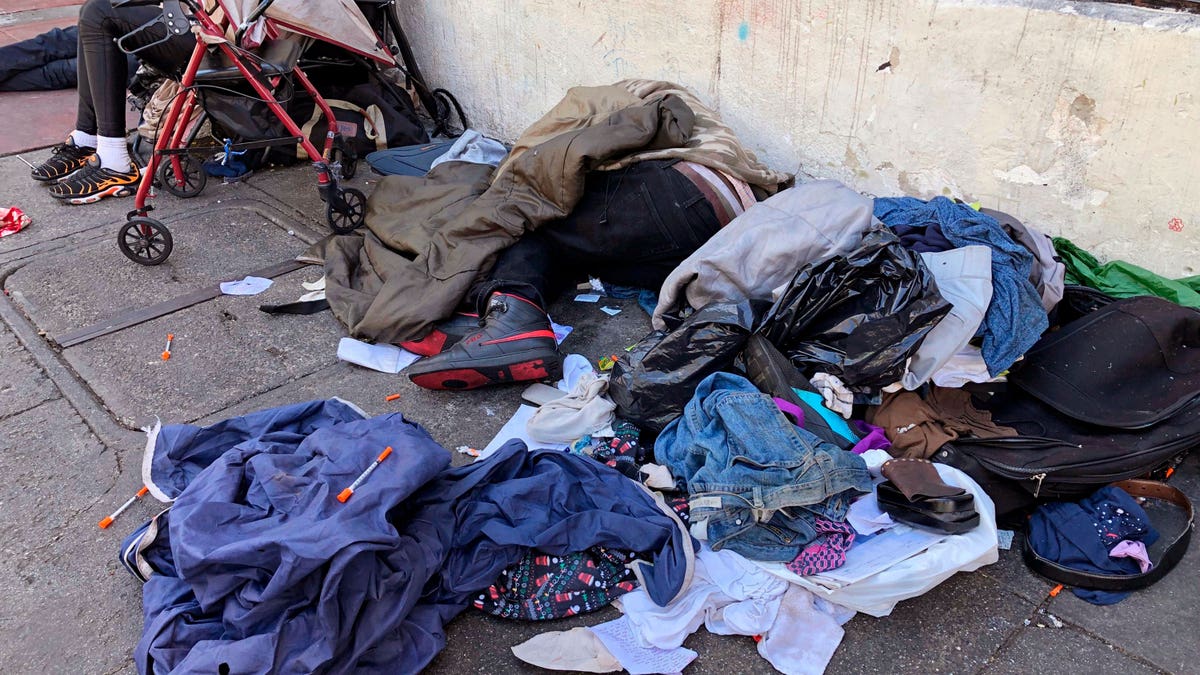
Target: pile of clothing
point(762, 463)
point(257, 566)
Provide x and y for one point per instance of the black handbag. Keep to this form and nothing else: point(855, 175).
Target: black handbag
point(1111, 396)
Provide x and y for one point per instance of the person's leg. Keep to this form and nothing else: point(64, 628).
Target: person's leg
point(514, 341)
point(103, 77)
point(59, 74)
point(635, 225)
point(30, 55)
point(72, 155)
point(520, 269)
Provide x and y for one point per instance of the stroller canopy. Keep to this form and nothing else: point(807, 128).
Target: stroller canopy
point(339, 22)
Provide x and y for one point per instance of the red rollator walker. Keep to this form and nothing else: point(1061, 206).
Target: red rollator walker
point(281, 29)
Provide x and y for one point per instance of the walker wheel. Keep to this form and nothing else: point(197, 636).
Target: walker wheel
point(194, 176)
point(145, 241)
point(346, 210)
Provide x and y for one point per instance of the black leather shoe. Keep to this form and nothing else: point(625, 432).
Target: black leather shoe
point(515, 344)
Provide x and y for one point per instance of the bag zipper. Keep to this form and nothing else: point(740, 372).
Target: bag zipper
point(1040, 474)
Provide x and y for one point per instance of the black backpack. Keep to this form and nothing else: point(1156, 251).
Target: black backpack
point(1112, 395)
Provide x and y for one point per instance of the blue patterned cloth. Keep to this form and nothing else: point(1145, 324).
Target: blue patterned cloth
point(1015, 318)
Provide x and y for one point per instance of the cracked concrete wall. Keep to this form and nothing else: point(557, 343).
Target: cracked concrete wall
point(1079, 118)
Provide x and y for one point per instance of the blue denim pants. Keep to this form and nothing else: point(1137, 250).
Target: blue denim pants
point(753, 477)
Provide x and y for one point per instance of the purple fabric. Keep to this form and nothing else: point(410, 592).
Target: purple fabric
point(873, 437)
point(791, 410)
point(1133, 549)
point(827, 552)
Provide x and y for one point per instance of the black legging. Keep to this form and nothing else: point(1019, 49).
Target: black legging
point(102, 65)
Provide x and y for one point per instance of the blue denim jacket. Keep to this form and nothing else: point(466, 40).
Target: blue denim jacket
point(758, 480)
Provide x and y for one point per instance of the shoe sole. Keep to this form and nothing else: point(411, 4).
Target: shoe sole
point(484, 374)
point(115, 191)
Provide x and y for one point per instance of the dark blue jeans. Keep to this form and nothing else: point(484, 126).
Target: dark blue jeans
point(631, 228)
point(755, 480)
point(40, 63)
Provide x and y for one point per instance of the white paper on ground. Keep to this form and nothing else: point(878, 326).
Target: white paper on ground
point(318, 285)
point(515, 428)
point(1004, 539)
point(560, 331)
point(312, 295)
point(866, 517)
point(587, 297)
point(611, 311)
point(247, 286)
point(618, 637)
point(384, 358)
point(878, 552)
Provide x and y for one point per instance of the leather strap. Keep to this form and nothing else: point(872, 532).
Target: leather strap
point(1124, 582)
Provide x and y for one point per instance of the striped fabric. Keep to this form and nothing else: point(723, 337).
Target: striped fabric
point(728, 196)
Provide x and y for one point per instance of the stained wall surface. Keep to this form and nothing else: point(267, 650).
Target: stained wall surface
point(1080, 118)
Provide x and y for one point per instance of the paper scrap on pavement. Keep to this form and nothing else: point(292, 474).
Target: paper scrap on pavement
point(618, 637)
point(318, 285)
point(587, 297)
point(383, 358)
point(247, 286)
point(611, 311)
point(560, 331)
point(1004, 539)
point(515, 428)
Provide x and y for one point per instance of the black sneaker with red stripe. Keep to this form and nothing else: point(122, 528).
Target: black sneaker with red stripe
point(515, 344)
point(444, 335)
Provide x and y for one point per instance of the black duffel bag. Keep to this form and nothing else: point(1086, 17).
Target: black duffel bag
point(1112, 395)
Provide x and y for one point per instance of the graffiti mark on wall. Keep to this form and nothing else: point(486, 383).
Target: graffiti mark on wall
point(611, 47)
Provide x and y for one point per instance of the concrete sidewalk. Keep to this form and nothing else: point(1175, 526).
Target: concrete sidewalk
point(70, 450)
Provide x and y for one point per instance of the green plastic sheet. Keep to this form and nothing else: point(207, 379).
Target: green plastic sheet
point(1121, 279)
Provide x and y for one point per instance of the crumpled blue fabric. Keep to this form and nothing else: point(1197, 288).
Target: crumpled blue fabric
point(758, 481)
point(1080, 536)
point(1015, 318)
point(181, 451)
point(260, 569)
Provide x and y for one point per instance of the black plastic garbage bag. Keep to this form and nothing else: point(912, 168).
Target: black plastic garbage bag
point(858, 316)
point(658, 377)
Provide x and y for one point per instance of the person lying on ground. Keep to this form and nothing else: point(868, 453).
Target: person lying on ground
point(632, 227)
point(93, 162)
point(45, 62)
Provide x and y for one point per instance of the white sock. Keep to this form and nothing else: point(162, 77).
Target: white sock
point(114, 154)
point(83, 140)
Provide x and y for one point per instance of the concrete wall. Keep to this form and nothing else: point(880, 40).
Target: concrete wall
point(1081, 118)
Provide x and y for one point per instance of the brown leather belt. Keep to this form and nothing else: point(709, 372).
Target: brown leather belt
point(722, 209)
point(1124, 582)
